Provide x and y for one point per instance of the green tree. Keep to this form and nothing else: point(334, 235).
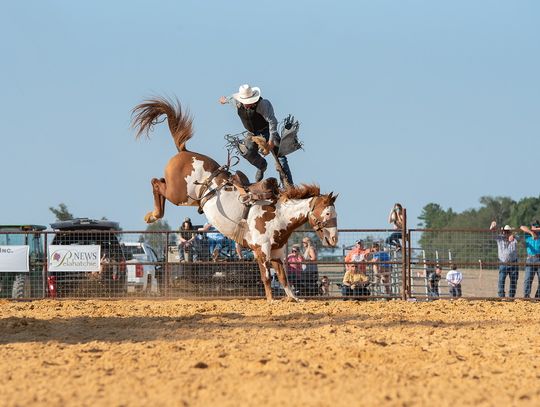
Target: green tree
point(526, 210)
point(61, 212)
point(158, 240)
point(433, 216)
point(497, 208)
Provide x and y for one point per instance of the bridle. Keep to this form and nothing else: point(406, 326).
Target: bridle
point(319, 224)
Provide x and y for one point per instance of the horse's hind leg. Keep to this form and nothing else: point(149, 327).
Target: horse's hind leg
point(266, 279)
point(282, 276)
point(159, 187)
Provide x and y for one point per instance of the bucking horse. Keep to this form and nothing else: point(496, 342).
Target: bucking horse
point(254, 216)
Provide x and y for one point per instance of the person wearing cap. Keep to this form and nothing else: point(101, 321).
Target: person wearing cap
point(507, 251)
point(185, 240)
point(532, 242)
point(257, 116)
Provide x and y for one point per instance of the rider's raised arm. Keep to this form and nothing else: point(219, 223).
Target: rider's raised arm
point(266, 110)
point(227, 100)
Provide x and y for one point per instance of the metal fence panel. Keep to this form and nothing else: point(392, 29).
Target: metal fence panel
point(473, 252)
point(141, 264)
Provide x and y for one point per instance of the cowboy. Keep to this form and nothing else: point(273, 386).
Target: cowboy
point(257, 115)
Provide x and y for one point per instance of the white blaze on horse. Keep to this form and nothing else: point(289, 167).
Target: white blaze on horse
point(193, 179)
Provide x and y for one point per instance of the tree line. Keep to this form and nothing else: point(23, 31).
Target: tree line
point(475, 246)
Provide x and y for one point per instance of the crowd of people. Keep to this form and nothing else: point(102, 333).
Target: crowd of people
point(204, 243)
point(302, 261)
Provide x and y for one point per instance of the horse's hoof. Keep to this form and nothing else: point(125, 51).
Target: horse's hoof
point(149, 218)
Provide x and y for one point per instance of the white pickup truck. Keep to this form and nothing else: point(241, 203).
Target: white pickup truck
point(141, 269)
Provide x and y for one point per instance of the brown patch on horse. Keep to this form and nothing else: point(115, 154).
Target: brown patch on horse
point(281, 236)
point(301, 191)
point(268, 214)
point(146, 115)
point(258, 253)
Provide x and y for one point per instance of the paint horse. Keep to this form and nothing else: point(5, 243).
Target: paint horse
point(193, 179)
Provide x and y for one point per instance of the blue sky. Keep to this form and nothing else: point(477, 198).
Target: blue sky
point(399, 101)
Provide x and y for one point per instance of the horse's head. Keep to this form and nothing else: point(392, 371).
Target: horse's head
point(323, 218)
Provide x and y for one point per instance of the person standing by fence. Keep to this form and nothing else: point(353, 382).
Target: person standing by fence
point(454, 279)
point(381, 267)
point(310, 275)
point(532, 242)
point(508, 258)
point(294, 266)
point(433, 282)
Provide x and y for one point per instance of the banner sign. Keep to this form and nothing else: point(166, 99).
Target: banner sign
point(14, 259)
point(74, 258)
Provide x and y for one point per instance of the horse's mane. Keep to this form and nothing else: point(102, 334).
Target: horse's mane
point(146, 115)
point(301, 191)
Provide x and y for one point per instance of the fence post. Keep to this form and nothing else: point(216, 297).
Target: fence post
point(167, 270)
point(404, 255)
point(45, 272)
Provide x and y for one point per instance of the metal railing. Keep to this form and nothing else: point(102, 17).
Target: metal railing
point(136, 264)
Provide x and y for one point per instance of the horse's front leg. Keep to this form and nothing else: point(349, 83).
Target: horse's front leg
point(159, 188)
point(277, 264)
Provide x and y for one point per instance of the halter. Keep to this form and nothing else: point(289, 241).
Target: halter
point(318, 224)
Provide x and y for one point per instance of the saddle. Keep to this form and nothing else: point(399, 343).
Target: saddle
point(264, 190)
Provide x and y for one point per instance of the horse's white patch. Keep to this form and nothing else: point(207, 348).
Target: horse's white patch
point(197, 175)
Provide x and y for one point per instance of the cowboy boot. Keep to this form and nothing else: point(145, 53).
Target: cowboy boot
point(260, 172)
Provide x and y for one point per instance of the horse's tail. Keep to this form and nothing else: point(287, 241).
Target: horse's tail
point(146, 115)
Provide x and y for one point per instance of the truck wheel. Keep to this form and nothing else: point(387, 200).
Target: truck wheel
point(21, 287)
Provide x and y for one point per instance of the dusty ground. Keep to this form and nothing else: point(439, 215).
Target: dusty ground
point(248, 352)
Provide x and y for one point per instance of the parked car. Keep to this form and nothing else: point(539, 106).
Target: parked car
point(28, 284)
point(143, 268)
point(110, 280)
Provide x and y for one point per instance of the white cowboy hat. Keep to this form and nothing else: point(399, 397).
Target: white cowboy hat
point(247, 94)
point(507, 227)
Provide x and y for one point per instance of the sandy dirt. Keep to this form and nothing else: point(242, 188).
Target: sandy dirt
point(251, 353)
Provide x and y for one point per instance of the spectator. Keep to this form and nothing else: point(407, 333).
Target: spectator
point(325, 286)
point(310, 275)
point(396, 219)
point(433, 282)
point(355, 283)
point(294, 265)
point(508, 257)
point(454, 279)
point(381, 268)
point(185, 240)
point(355, 259)
point(355, 280)
point(532, 242)
point(216, 240)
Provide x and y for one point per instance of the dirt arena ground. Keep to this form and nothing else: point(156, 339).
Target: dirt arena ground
point(250, 353)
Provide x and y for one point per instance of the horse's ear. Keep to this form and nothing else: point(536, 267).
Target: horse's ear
point(332, 197)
